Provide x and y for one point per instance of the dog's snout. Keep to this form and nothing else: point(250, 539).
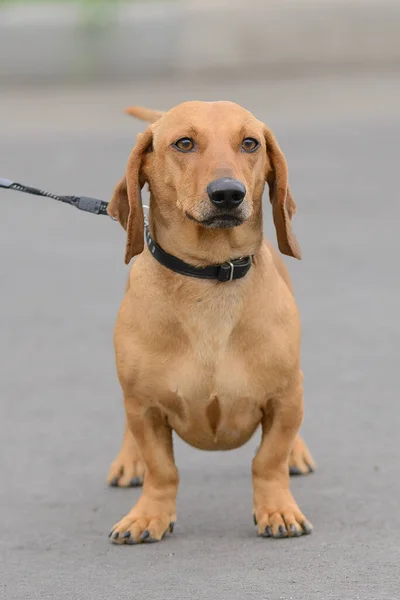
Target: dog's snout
point(226, 193)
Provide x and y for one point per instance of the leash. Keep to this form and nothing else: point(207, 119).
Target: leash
point(91, 205)
point(225, 272)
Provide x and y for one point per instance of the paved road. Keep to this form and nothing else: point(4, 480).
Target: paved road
point(62, 278)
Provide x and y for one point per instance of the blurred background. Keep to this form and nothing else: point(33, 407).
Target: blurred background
point(85, 40)
point(324, 75)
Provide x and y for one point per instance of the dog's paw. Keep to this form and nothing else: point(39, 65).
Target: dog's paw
point(139, 529)
point(300, 460)
point(126, 471)
point(285, 522)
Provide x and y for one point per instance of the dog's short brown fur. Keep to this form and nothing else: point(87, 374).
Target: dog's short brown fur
point(211, 361)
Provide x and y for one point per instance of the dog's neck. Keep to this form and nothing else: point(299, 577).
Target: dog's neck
point(200, 246)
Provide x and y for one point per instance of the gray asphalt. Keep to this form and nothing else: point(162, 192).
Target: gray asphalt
point(62, 278)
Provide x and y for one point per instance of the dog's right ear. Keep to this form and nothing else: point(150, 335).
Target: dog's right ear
point(145, 114)
point(126, 203)
point(283, 204)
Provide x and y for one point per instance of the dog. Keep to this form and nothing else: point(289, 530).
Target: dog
point(207, 339)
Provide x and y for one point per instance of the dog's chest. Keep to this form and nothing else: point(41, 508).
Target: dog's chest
point(217, 389)
point(213, 408)
point(213, 357)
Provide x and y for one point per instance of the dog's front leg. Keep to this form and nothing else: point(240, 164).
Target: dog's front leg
point(155, 512)
point(275, 510)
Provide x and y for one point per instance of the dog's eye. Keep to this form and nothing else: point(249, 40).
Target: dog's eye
point(184, 144)
point(249, 145)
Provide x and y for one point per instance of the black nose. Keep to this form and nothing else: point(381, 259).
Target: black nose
point(226, 193)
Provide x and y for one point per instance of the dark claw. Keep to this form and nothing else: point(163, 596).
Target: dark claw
point(130, 542)
point(294, 531)
point(115, 536)
point(310, 469)
point(294, 471)
point(136, 482)
point(146, 537)
point(255, 520)
point(126, 535)
point(281, 532)
point(171, 527)
point(306, 527)
point(267, 532)
point(114, 482)
point(111, 532)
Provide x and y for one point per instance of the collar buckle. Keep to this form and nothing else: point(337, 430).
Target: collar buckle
point(226, 271)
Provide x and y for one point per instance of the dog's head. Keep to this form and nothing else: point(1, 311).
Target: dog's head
point(206, 162)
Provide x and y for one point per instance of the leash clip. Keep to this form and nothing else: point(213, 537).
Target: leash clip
point(92, 205)
point(146, 214)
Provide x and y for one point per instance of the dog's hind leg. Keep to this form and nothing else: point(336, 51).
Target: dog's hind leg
point(300, 460)
point(127, 469)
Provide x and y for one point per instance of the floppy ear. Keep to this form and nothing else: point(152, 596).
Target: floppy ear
point(118, 208)
point(145, 114)
point(283, 205)
point(126, 203)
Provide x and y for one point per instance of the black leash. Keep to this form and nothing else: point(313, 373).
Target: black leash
point(227, 271)
point(91, 205)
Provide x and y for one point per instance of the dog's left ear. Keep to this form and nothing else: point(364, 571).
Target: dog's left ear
point(126, 203)
point(283, 205)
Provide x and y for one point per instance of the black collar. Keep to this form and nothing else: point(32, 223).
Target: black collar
point(228, 271)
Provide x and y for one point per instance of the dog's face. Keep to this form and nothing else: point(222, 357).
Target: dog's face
point(206, 163)
point(209, 161)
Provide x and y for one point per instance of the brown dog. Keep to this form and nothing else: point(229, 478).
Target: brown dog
point(209, 359)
